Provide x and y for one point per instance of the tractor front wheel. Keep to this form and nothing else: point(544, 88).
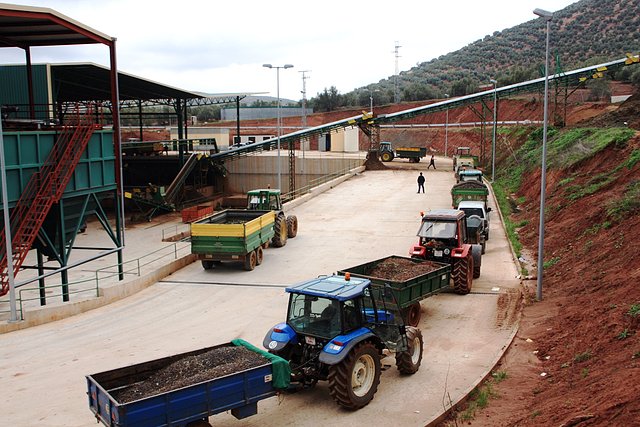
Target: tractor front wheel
point(412, 314)
point(354, 381)
point(292, 226)
point(408, 362)
point(463, 275)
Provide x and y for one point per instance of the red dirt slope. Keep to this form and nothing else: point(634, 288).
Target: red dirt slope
point(576, 358)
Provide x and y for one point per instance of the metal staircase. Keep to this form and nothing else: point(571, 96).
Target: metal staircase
point(43, 190)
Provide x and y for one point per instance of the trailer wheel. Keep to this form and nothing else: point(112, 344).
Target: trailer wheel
point(207, 265)
point(408, 362)
point(280, 230)
point(416, 160)
point(463, 275)
point(412, 314)
point(354, 381)
point(250, 261)
point(292, 226)
point(259, 255)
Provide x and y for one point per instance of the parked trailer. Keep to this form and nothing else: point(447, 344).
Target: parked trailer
point(232, 235)
point(414, 154)
point(469, 190)
point(238, 392)
point(407, 293)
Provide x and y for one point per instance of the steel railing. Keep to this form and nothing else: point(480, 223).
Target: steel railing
point(90, 286)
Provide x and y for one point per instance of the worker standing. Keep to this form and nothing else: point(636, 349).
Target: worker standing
point(432, 162)
point(421, 182)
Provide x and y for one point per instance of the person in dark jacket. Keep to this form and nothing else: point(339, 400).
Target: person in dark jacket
point(432, 162)
point(421, 182)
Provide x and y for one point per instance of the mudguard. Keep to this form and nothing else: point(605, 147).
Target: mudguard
point(461, 252)
point(418, 251)
point(279, 336)
point(338, 348)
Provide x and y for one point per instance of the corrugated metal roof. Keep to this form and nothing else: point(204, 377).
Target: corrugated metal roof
point(23, 26)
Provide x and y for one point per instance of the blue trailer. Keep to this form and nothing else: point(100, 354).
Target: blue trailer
point(238, 392)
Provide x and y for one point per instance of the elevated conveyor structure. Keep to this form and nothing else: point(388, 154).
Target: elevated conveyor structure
point(370, 124)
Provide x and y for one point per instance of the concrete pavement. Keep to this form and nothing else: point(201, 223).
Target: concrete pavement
point(372, 215)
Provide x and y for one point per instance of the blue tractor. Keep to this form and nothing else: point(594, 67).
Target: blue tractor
point(336, 330)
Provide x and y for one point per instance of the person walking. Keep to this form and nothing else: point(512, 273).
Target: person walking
point(432, 162)
point(421, 182)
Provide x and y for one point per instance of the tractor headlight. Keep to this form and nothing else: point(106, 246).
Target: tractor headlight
point(447, 251)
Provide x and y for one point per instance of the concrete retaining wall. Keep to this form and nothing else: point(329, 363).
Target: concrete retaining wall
point(252, 172)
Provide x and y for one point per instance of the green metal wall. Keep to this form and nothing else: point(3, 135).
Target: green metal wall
point(25, 152)
point(14, 89)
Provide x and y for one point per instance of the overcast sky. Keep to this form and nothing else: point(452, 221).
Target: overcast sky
point(220, 46)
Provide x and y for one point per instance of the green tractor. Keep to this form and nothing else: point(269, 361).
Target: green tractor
point(270, 200)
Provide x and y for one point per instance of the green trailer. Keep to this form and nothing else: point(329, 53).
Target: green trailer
point(232, 235)
point(430, 278)
point(414, 154)
point(469, 190)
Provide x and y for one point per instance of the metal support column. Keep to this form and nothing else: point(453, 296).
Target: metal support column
point(237, 120)
point(117, 143)
point(292, 168)
point(41, 281)
point(62, 250)
point(140, 119)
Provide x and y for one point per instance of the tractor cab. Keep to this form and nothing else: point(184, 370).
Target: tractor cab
point(441, 233)
point(327, 316)
point(467, 174)
point(264, 200)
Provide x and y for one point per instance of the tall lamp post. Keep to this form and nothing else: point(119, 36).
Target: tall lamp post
point(446, 129)
point(548, 16)
point(371, 99)
point(493, 141)
point(278, 124)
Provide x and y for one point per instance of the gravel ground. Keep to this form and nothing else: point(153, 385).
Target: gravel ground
point(400, 269)
point(191, 370)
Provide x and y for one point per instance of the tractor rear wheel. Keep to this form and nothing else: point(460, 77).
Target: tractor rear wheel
point(250, 261)
point(412, 314)
point(280, 232)
point(408, 362)
point(354, 381)
point(292, 226)
point(463, 275)
point(386, 156)
point(259, 255)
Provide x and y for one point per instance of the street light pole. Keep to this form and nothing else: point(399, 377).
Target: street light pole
point(371, 99)
point(278, 125)
point(495, 118)
point(548, 16)
point(446, 129)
